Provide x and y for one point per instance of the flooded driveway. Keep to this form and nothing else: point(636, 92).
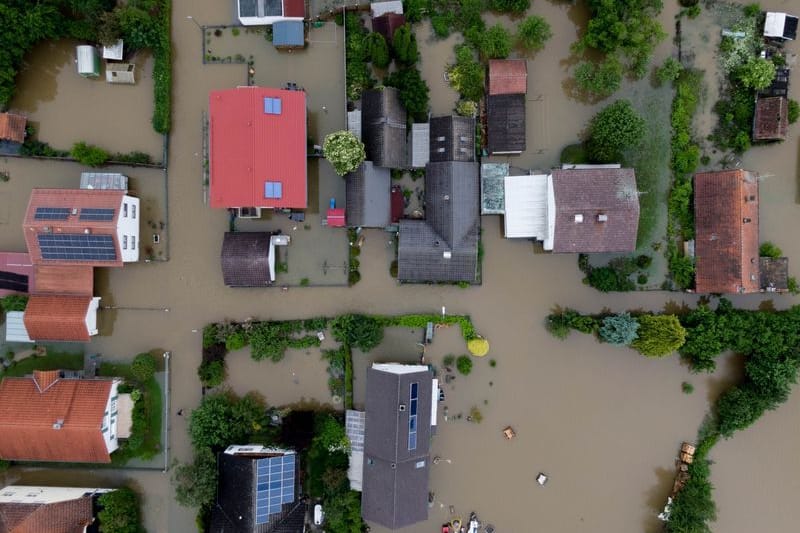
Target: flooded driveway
point(603, 423)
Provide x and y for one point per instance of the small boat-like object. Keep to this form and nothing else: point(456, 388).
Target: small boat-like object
point(541, 479)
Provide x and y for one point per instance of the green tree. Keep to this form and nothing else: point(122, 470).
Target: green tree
point(196, 482)
point(599, 80)
point(669, 71)
point(466, 108)
point(413, 91)
point(757, 73)
point(143, 367)
point(212, 373)
point(495, 42)
point(357, 331)
point(794, 111)
point(119, 512)
point(330, 435)
point(533, 33)
point(344, 151)
point(377, 49)
point(343, 513)
point(769, 249)
point(139, 29)
point(14, 302)
point(404, 45)
point(659, 335)
point(236, 341)
point(467, 75)
point(619, 329)
point(516, 7)
point(223, 418)
point(89, 155)
point(464, 364)
point(613, 130)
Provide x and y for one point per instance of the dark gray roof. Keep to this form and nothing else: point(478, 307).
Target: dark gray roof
point(383, 127)
point(506, 123)
point(451, 227)
point(590, 193)
point(774, 274)
point(395, 487)
point(245, 259)
point(368, 196)
point(452, 138)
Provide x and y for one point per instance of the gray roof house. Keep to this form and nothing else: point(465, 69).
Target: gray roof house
point(452, 138)
point(400, 416)
point(444, 246)
point(505, 124)
point(367, 196)
point(245, 259)
point(383, 128)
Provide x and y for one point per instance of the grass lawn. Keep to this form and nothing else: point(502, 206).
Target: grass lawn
point(52, 361)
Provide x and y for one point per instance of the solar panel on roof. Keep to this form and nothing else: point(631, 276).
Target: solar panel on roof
point(77, 247)
point(51, 213)
point(274, 485)
point(91, 213)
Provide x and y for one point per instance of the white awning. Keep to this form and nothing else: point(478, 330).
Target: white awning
point(15, 327)
point(526, 207)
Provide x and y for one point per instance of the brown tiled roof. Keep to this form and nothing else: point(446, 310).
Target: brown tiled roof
point(75, 280)
point(57, 317)
point(726, 232)
point(508, 76)
point(592, 193)
point(71, 516)
point(74, 200)
point(771, 119)
point(27, 418)
point(12, 127)
point(387, 23)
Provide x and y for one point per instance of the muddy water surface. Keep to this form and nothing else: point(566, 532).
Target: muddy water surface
point(604, 423)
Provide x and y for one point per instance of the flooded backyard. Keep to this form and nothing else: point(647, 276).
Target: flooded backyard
point(605, 424)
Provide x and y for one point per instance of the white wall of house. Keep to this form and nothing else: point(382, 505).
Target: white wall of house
point(39, 495)
point(109, 428)
point(128, 228)
point(91, 316)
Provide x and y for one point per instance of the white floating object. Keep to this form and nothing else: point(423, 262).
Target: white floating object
point(541, 479)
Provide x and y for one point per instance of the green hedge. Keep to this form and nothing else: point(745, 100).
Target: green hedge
point(162, 73)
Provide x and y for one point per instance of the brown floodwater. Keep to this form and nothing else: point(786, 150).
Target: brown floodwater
point(603, 423)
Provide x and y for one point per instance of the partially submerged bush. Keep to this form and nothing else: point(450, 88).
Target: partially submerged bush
point(464, 364)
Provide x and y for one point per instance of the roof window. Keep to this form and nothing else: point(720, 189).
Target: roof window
point(273, 190)
point(272, 106)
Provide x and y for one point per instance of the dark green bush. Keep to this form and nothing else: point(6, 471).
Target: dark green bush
point(794, 111)
point(464, 364)
point(236, 341)
point(143, 367)
point(14, 302)
point(616, 128)
point(413, 91)
point(212, 374)
point(89, 155)
point(768, 249)
point(357, 331)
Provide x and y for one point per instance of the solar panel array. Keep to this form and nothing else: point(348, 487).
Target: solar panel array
point(412, 417)
point(77, 247)
point(274, 486)
point(51, 213)
point(90, 213)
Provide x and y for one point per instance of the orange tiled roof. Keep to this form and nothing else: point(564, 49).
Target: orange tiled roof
point(12, 127)
point(726, 232)
point(57, 317)
point(771, 119)
point(73, 199)
point(27, 417)
point(508, 76)
point(71, 516)
point(72, 280)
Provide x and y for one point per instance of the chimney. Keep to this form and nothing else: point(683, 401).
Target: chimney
point(579, 218)
point(58, 424)
point(447, 255)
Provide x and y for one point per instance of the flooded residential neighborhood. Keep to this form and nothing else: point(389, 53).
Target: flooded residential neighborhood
point(603, 423)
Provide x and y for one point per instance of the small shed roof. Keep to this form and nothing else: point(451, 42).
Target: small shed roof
point(506, 124)
point(508, 76)
point(493, 177)
point(245, 259)
point(12, 127)
point(774, 273)
point(771, 120)
point(381, 8)
point(526, 207)
point(780, 26)
point(122, 73)
point(779, 85)
point(335, 217)
point(419, 147)
point(114, 51)
point(354, 122)
point(288, 34)
point(104, 181)
point(15, 327)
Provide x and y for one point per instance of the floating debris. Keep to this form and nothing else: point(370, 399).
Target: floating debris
point(509, 433)
point(541, 479)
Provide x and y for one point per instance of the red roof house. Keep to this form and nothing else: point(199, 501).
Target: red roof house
point(46, 417)
point(32, 509)
point(12, 127)
point(60, 317)
point(257, 139)
point(508, 76)
point(726, 232)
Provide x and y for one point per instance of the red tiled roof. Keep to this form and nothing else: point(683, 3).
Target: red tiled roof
point(250, 148)
point(57, 318)
point(336, 217)
point(508, 76)
point(27, 417)
point(771, 119)
point(75, 200)
point(387, 23)
point(12, 127)
point(294, 8)
point(726, 232)
point(63, 279)
point(71, 516)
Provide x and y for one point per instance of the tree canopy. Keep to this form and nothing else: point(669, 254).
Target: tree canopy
point(613, 130)
point(377, 49)
point(620, 329)
point(196, 482)
point(757, 73)
point(143, 367)
point(599, 80)
point(467, 74)
point(659, 335)
point(357, 331)
point(533, 33)
point(404, 45)
point(413, 91)
point(223, 419)
point(120, 512)
point(344, 151)
point(495, 42)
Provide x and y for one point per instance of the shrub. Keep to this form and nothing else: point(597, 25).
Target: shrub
point(687, 387)
point(659, 335)
point(644, 261)
point(464, 364)
point(119, 511)
point(143, 367)
point(467, 75)
point(196, 482)
point(404, 46)
point(768, 249)
point(478, 347)
point(533, 33)
point(89, 155)
point(752, 10)
point(377, 50)
point(13, 302)
point(236, 341)
point(475, 415)
point(756, 74)
point(575, 154)
point(344, 151)
point(495, 42)
point(413, 91)
point(620, 330)
point(466, 108)
point(599, 80)
point(449, 360)
point(357, 331)
point(794, 111)
point(669, 71)
point(516, 7)
point(223, 418)
point(616, 128)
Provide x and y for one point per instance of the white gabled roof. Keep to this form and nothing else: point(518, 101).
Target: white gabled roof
point(526, 207)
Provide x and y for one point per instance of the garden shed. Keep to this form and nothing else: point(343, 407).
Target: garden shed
point(88, 61)
point(120, 73)
point(12, 132)
point(506, 124)
point(452, 138)
point(288, 34)
point(774, 273)
point(771, 120)
point(780, 26)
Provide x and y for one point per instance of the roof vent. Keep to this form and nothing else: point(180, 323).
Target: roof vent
point(440, 139)
point(446, 197)
point(440, 150)
point(746, 220)
point(46, 229)
point(402, 407)
point(58, 424)
point(74, 211)
point(464, 138)
point(87, 231)
point(436, 243)
point(394, 466)
point(447, 255)
point(578, 218)
point(602, 217)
